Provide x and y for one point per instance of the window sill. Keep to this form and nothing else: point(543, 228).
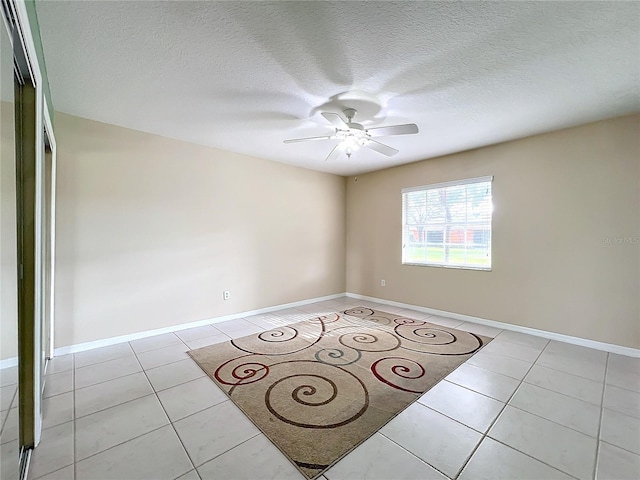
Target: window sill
point(455, 267)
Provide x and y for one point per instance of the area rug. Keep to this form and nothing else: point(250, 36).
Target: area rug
point(319, 388)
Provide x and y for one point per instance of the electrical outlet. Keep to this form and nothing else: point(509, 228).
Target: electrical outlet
point(226, 295)
point(383, 283)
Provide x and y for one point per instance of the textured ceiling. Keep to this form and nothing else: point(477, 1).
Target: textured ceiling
point(244, 76)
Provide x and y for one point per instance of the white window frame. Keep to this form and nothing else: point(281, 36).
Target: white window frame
point(446, 226)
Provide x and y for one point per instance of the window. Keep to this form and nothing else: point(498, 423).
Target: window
point(448, 224)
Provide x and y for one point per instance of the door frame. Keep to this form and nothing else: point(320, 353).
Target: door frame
point(40, 301)
point(50, 297)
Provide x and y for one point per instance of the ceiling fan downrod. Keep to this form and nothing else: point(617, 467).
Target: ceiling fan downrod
point(350, 113)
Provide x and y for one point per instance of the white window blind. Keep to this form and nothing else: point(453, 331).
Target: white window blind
point(448, 224)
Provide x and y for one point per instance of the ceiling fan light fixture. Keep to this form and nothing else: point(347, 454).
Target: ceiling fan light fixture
point(352, 137)
point(350, 144)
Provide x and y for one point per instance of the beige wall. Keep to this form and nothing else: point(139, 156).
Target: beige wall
point(556, 197)
point(150, 231)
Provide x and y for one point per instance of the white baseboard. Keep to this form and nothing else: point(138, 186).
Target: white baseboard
point(583, 342)
point(81, 347)
point(8, 362)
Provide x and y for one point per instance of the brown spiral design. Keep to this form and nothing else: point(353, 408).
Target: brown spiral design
point(311, 400)
point(310, 390)
point(282, 334)
point(240, 371)
point(408, 321)
point(359, 312)
point(428, 338)
point(369, 341)
point(283, 340)
point(425, 334)
point(406, 373)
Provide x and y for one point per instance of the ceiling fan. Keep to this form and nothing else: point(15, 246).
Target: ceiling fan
point(353, 135)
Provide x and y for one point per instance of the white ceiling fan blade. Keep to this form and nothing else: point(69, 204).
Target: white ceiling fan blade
point(381, 148)
point(335, 120)
point(406, 129)
point(334, 153)
point(324, 137)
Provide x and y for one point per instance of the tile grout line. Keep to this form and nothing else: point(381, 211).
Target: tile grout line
point(486, 434)
point(133, 351)
point(621, 388)
point(133, 438)
point(155, 393)
point(168, 363)
point(455, 419)
point(146, 433)
point(101, 361)
point(47, 378)
point(58, 468)
point(564, 394)
point(232, 448)
point(181, 341)
point(121, 443)
point(544, 366)
point(523, 380)
point(8, 410)
point(100, 383)
point(199, 411)
point(637, 392)
point(465, 387)
point(552, 421)
point(529, 455)
point(106, 380)
point(604, 387)
point(129, 375)
point(177, 384)
point(408, 451)
point(116, 405)
point(193, 340)
point(55, 471)
point(569, 373)
point(513, 344)
point(621, 448)
point(534, 458)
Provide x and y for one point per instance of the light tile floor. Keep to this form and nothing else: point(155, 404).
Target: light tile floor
point(522, 408)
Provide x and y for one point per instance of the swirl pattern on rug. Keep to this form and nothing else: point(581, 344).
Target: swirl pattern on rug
point(319, 388)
